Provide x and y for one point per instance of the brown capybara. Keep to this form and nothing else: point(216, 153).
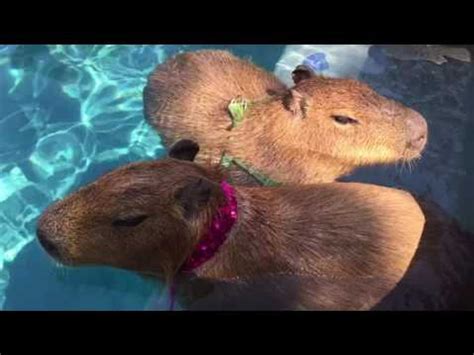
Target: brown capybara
point(318, 130)
point(323, 246)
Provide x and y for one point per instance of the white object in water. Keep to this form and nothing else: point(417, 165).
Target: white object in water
point(330, 60)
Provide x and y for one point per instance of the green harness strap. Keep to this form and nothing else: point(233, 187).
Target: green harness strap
point(237, 108)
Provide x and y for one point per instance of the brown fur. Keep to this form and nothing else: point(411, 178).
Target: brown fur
point(327, 246)
point(288, 134)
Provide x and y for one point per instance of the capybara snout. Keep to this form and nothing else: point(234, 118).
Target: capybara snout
point(417, 132)
point(52, 226)
point(48, 245)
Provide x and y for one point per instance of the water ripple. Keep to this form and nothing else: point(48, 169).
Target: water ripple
point(66, 109)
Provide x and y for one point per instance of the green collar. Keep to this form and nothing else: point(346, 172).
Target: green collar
point(237, 109)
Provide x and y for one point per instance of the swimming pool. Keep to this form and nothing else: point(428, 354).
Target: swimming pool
point(69, 113)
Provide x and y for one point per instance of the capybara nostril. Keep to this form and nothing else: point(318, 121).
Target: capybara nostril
point(417, 132)
point(49, 246)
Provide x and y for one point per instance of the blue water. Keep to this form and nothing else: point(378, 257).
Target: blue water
point(70, 113)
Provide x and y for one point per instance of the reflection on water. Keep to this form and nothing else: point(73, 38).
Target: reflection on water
point(67, 115)
point(70, 113)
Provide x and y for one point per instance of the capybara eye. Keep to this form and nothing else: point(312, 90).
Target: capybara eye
point(129, 222)
point(344, 120)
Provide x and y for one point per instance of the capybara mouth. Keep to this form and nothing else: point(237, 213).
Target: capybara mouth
point(411, 154)
point(415, 149)
point(50, 247)
point(53, 249)
point(58, 255)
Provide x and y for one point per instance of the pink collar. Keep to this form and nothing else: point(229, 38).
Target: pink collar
point(221, 224)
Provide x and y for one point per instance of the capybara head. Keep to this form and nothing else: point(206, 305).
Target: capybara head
point(352, 123)
point(140, 217)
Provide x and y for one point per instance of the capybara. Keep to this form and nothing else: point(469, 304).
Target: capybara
point(318, 130)
point(324, 246)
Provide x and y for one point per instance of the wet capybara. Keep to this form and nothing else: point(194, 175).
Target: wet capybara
point(323, 246)
point(318, 130)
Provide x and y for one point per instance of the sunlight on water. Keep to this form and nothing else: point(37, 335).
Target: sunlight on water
point(65, 111)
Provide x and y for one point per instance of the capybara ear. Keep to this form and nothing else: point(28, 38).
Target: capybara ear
point(295, 102)
point(195, 195)
point(302, 72)
point(184, 149)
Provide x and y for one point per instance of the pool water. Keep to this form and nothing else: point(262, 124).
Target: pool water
point(70, 113)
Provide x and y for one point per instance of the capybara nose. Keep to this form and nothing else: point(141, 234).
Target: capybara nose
point(417, 132)
point(46, 243)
